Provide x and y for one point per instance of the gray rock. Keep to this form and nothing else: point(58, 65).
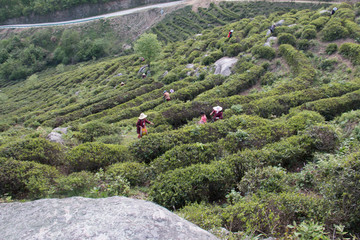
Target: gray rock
point(224, 65)
point(83, 218)
point(280, 23)
point(269, 40)
point(190, 66)
point(56, 135)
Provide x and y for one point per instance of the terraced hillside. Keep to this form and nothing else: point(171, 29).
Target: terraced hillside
point(283, 162)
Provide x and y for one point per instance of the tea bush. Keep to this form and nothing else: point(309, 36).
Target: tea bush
point(89, 131)
point(331, 48)
point(320, 22)
point(75, 184)
point(264, 52)
point(334, 106)
point(26, 179)
point(135, 173)
point(287, 38)
point(185, 155)
point(37, 150)
point(93, 155)
point(200, 182)
point(269, 179)
point(333, 31)
point(351, 51)
point(268, 213)
point(308, 34)
point(303, 44)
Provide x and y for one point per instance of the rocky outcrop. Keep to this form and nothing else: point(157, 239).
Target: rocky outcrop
point(56, 135)
point(105, 218)
point(223, 65)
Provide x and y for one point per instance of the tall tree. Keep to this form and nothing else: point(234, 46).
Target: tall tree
point(148, 47)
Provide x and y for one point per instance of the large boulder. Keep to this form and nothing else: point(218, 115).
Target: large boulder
point(103, 218)
point(223, 65)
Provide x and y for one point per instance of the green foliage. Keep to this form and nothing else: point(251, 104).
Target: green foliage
point(325, 137)
point(308, 34)
point(37, 150)
point(30, 179)
point(74, 184)
point(287, 38)
point(148, 47)
point(186, 155)
point(135, 173)
point(303, 44)
point(264, 52)
point(267, 213)
point(351, 51)
point(208, 60)
point(320, 22)
point(309, 230)
point(89, 131)
point(200, 182)
point(333, 31)
point(331, 48)
point(269, 179)
point(92, 156)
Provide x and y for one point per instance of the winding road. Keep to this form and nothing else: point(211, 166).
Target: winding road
point(133, 10)
point(114, 14)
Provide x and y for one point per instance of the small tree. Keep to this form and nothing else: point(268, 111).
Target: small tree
point(148, 47)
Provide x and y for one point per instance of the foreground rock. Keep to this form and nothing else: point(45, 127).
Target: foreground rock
point(83, 218)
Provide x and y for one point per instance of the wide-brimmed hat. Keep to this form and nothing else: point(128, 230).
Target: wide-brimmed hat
point(142, 116)
point(165, 91)
point(217, 108)
point(231, 30)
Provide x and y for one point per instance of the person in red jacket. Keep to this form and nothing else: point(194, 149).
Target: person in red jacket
point(218, 114)
point(230, 34)
point(141, 125)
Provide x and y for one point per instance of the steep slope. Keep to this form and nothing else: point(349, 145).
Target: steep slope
point(286, 151)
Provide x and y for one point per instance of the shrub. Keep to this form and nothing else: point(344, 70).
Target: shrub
point(331, 48)
point(202, 214)
point(328, 64)
point(26, 179)
point(251, 214)
point(320, 22)
point(303, 44)
point(170, 77)
point(186, 155)
point(193, 55)
point(92, 156)
point(268, 78)
point(233, 49)
point(334, 106)
point(264, 52)
point(94, 129)
point(269, 179)
point(325, 137)
point(207, 60)
point(135, 173)
point(351, 51)
point(38, 150)
point(308, 34)
point(74, 184)
point(333, 31)
point(200, 182)
point(287, 38)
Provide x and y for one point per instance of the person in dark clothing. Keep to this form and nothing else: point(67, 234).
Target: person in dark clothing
point(333, 10)
point(141, 125)
point(217, 111)
point(272, 28)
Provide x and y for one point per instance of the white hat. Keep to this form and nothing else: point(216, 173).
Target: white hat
point(231, 30)
point(217, 108)
point(142, 116)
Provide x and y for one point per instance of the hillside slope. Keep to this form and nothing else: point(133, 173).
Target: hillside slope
point(284, 160)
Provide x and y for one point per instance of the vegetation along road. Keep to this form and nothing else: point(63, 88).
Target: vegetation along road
point(129, 11)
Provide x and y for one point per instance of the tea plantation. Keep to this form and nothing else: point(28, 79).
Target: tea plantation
point(284, 161)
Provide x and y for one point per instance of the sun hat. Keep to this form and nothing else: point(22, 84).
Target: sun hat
point(231, 30)
point(142, 116)
point(164, 91)
point(217, 108)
